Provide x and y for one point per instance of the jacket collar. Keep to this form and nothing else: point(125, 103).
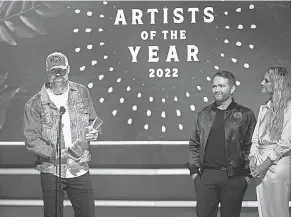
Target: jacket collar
point(268, 105)
point(45, 99)
point(231, 106)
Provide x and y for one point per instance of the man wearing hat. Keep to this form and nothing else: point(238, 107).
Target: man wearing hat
point(61, 98)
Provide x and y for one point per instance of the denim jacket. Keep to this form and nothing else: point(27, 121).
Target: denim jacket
point(41, 122)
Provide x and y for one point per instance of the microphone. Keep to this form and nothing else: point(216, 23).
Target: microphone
point(62, 110)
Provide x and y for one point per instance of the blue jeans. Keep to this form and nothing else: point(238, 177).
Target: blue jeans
point(79, 190)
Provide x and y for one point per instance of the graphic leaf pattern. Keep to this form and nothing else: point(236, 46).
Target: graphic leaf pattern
point(19, 30)
point(29, 27)
point(6, 36)
point(6, 96)
point(33, 24)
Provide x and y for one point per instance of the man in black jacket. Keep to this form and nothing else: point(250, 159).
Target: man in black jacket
point(218, 151)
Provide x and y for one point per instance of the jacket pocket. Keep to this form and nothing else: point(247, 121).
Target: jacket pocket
point(46, 121)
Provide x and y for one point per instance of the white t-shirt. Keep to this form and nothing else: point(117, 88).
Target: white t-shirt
point(62, 100)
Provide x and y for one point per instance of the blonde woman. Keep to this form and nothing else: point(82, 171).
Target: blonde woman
point(271, 145)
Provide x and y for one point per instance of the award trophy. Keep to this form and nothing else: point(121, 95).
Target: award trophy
point(96, 124)
point(77, 149)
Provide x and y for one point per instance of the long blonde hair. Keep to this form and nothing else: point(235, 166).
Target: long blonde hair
point(281, 84)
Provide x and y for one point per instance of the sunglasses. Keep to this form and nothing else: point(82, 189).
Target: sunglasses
point(58, 71)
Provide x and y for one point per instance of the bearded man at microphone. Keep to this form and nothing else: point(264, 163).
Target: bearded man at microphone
point(70, 102)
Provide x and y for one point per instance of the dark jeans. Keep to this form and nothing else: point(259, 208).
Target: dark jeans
point(79, 191)
point(214, 187)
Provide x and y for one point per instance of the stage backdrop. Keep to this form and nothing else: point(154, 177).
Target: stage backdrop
point(148, 65)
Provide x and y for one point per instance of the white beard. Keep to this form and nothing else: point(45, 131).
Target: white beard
point(59, 88)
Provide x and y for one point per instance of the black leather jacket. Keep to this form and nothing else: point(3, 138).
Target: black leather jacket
point(239, 126)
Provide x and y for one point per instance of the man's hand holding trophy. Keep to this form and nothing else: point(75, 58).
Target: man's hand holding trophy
point(91, 133)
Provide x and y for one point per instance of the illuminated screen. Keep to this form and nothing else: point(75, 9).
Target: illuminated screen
point(148, 65)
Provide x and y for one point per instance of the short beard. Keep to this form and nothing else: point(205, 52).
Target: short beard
point(223, 100)
point(59, 88)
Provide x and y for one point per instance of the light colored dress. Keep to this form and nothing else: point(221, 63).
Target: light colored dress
point(273, 189)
